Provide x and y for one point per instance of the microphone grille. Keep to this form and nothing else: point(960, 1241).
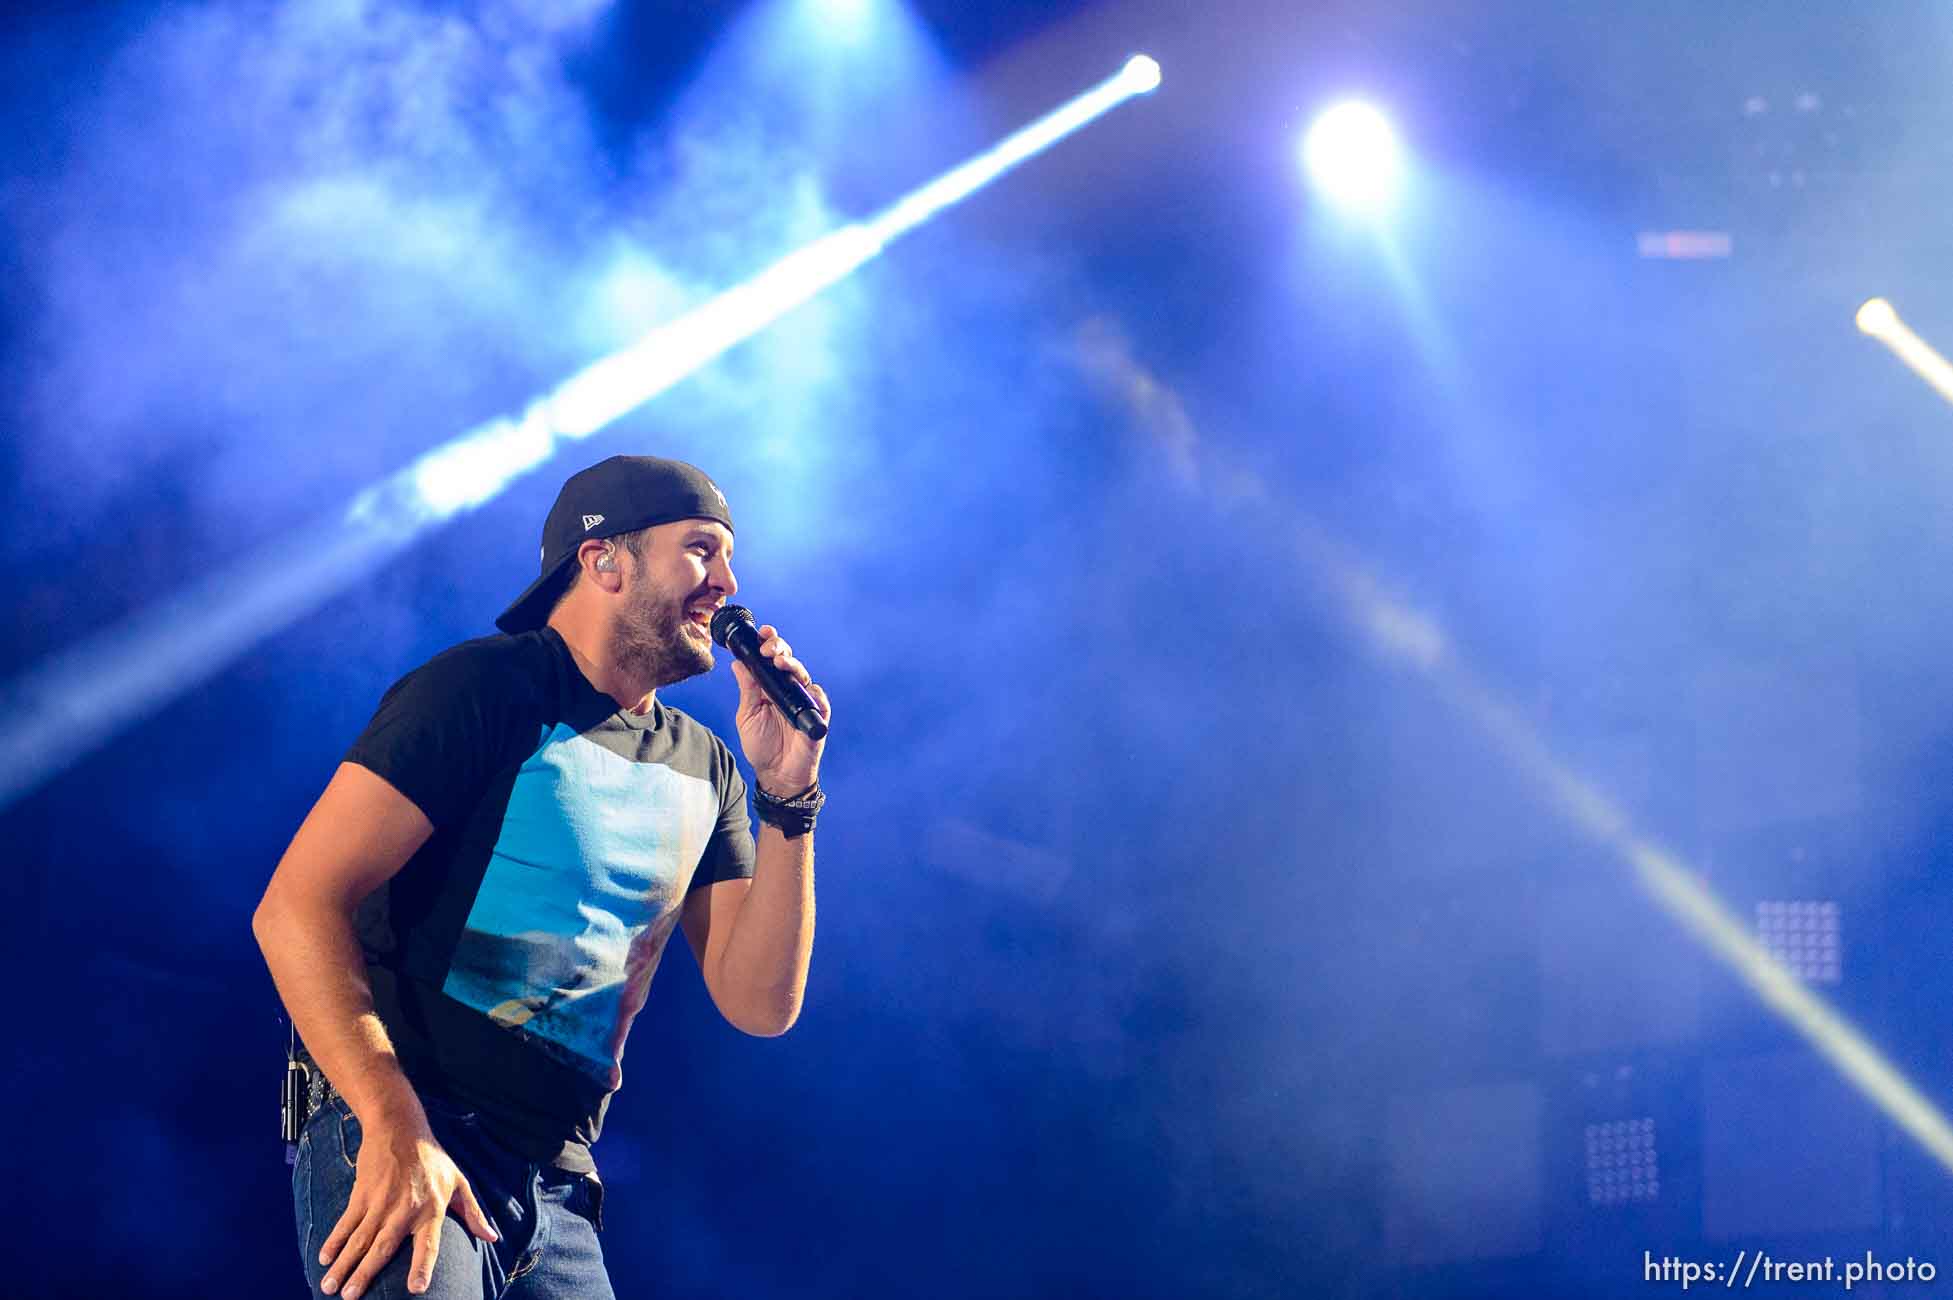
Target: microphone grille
point(728, 618)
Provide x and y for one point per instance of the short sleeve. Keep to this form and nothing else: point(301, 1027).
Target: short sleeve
point(729, 854)
point(446, 730)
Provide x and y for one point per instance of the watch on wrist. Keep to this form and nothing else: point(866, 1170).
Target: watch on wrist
point(794, 816)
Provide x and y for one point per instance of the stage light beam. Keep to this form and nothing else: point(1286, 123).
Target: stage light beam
point(1881, 320)
point(66, 705)
point(1396, 633)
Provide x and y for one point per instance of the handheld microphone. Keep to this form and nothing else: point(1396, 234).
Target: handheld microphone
point(733, 628)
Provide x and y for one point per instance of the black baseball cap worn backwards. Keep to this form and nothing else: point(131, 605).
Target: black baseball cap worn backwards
point(619, 495)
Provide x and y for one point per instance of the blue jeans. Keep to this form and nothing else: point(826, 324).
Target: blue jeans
point(547, 1217)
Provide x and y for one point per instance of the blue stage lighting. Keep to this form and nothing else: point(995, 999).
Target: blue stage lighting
point(1352, 156)
point(1141, 73)
point(60, 709)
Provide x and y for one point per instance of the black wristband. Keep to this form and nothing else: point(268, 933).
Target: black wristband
point(795, 816)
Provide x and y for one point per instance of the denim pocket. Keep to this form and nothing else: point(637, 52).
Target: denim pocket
point(302, 1194)
point(349, 1132)
point(322, 1178)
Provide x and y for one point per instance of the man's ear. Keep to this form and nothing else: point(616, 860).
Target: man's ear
point(598, 560)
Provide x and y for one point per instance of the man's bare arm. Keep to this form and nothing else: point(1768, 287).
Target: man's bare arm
point(356, 837)
point(754, 939)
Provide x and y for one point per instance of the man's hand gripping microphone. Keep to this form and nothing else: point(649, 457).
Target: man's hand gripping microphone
point(733, 627)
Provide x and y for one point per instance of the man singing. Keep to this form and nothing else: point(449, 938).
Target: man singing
point(469, 918)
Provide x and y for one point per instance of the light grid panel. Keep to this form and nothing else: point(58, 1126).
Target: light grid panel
point(1805, 936)
point(1623, 1164)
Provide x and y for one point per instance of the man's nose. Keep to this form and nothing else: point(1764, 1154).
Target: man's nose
point(725, 581)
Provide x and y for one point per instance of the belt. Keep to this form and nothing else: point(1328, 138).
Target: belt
point(318, 1088)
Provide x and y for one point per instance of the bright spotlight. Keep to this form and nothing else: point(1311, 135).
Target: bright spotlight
point(1877, 317)
point(1352, 156)
point(1880, 319)
point(1141, 74)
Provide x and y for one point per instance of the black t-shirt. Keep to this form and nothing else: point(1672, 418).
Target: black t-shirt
point(510, 954)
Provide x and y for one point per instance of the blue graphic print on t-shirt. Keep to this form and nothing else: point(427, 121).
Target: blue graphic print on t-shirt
point(579, 896)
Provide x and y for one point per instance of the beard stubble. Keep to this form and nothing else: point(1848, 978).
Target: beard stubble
point(650, 640)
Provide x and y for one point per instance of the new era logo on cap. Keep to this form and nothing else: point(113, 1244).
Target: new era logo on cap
point(591, 521)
